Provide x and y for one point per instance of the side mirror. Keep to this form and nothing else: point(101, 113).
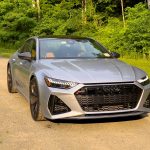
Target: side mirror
point(115, 54)
point(25, 56)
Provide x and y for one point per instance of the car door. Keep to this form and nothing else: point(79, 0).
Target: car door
point(24, 66)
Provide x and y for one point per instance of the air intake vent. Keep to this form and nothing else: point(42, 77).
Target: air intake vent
point(57, 106)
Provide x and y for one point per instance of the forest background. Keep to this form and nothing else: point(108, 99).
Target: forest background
point(122, 26)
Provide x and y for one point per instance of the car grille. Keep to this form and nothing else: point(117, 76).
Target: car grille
point(108, 97)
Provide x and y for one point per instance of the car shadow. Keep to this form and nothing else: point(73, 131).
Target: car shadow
point(104, 120)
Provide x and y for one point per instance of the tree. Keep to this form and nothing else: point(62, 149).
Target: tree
point(148, 2)
point(17, 20)
point(123, 17)
point(36, 5)
point(100, 19)
point(84, 17)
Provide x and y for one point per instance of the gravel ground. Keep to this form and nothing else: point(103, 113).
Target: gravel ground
point(19, 131)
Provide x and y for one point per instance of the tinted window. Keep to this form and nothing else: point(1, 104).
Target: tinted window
point(26, 47)
point(29, 46)
point(33, 49)
point(72, 48)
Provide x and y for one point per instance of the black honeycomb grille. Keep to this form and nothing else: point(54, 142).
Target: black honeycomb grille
point(111, 97)
point(57, 106)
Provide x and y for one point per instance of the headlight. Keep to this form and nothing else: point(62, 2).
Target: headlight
point(56, 83)
point(144, 81)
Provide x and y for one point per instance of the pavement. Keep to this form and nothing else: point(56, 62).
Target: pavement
point(19, 131)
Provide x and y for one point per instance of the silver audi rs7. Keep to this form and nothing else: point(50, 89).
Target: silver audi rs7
point(76, 78)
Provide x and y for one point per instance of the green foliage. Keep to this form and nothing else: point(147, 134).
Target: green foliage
point(140, 63)
point(19, 20)
point(134, 37)
point(4, 8)
point(6, 52)
point(61, 19)
point(111, 34)
point(16, 21)
point(137, 34)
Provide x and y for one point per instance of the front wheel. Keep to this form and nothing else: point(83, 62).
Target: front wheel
point(35, 106)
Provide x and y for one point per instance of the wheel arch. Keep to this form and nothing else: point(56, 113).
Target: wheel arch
point(14, 88)
point(37, 76)
point(42, 87)
point(40, 115)
point(8, 64)
point(32, 76)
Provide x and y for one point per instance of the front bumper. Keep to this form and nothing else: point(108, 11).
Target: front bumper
point(102, 116)
point(76, 111)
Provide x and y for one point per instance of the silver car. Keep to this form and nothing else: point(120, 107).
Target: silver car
point(76, 78)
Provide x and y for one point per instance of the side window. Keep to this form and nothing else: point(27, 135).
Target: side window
point(29, 46)
point(26, 47)
point(33, 49)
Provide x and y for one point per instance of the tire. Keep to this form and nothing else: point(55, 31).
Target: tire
point(10, 85)
point(35, 107)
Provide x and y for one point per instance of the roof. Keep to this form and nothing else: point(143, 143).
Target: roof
point(63, 37)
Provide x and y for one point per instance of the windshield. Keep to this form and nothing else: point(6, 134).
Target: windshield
point(71, 48)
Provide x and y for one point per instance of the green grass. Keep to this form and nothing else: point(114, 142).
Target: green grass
point(6, 52)
point(140, 63)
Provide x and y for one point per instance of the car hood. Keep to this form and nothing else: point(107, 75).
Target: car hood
point(90, 70)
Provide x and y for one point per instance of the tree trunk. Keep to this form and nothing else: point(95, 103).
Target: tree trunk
point(33, 3)
point(91, 8)
point(38, 9)
point(123, 16)
point(36, 5)
point(148, 2)
point(84, 18)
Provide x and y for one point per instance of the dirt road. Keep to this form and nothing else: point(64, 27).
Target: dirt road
point(19, 132)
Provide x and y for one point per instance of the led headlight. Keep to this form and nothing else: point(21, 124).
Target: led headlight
point(144, 81)
point(56, 83)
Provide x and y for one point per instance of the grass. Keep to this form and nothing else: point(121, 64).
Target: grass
point(6, 52)
point(140, 63)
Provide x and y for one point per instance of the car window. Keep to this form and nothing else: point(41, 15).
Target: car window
point(72, 48)
point(33, 49)
point(29, 46)
point(26, 47)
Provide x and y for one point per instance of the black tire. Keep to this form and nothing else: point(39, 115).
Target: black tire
point(35, 107)
point(10, 85)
